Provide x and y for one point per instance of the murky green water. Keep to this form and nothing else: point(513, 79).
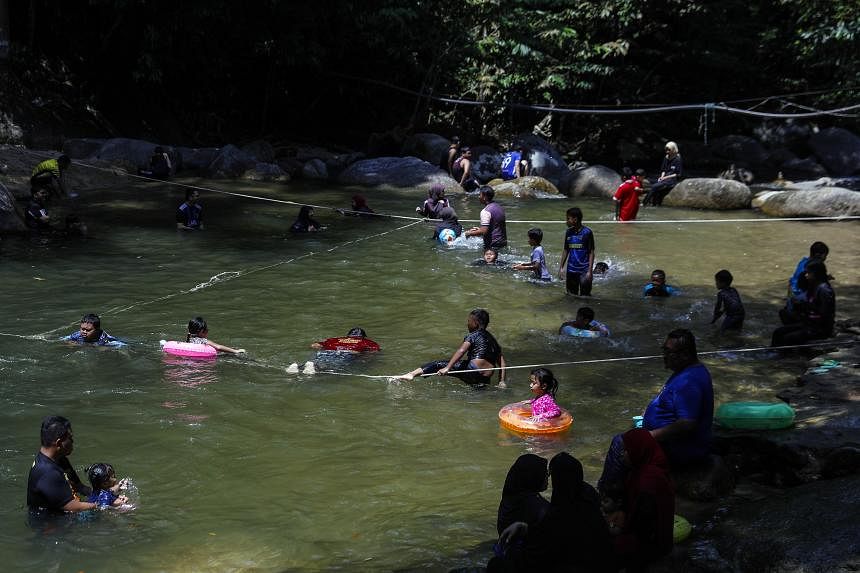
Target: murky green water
point(243, 467)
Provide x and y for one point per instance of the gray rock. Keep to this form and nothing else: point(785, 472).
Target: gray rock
point(739, 149)
point(824, 202)
point(196, 159)
point(838, 150)
point(230, 163)
point(709, 194)
point(266, 172)
point(788, 134)
point(593, 181)
point(546, 160)
point(83, 148)
point(260, 150)
point(529, 187)
point(10, 132)
point(486, 163)
point(10, 220)
point(778, 157)
point(340, 161)
point(123, 151)
point(400, 172)
point(430, 147)
point(315, 169)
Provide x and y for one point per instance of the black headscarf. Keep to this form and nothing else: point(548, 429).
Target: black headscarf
point(521, 499)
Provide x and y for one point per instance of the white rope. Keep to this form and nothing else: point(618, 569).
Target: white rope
point(829, 342)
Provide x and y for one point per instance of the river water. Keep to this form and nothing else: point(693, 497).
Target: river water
point(240, 466)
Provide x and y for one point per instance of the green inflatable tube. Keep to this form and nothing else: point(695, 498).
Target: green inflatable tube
point(681, 529)
point(755, 415)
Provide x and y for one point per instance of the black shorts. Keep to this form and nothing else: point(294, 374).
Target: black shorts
point(576, 284)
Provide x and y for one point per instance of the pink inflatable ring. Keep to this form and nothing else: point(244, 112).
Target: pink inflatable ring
point(188, 349)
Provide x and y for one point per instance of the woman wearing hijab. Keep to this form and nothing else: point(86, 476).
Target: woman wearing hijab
point(449, 221)
point(434, 203)
point(521, 498)
point(359, 207)
point(646, 534)
point(305, 223)
point(573, 536)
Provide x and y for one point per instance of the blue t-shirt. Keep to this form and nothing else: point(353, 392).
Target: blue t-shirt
point(509, 164)
point(579, 244)
point(102, 497)
point(104, 339)
point(654, 290)
point(541, 273)
point(190, 215)
point(688, 394)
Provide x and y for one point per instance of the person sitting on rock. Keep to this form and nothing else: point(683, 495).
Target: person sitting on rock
point(670, 174)
point(159, 165)
point(462, 169)
point(50, 175)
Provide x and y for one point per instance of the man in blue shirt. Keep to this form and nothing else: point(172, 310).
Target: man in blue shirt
point(90, 332)
point(681, 415)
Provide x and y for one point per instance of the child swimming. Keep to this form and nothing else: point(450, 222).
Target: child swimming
point(489, 259)
point(537, 264)
point(584, 321)
point(658, 286)
point(198, 333)
point(728, 302)
point(543, 385)
point(105, 486)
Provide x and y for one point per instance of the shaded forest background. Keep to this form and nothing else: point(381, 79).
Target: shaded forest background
point(208, 72)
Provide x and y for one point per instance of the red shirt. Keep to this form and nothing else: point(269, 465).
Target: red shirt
point(350, 344)
point(628, 196)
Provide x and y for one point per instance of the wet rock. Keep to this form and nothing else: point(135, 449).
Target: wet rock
point(315, 169)
point(266, 172)
point(528, 187)
point(789, 134)
point(739, 149)
point(705, 482)
point(230, 163)
point(121, 151)
point(838, 150)
point(10, 132)
point(824, 202)
point(709, 194)
point(196, 159)
point(10, 220)
point(806, 168)
point(546, 160)
point(409, 172)
point(260, 150)
point(430, 147)
point(593, 181)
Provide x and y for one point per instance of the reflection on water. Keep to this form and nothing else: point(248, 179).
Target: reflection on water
point(246, 467)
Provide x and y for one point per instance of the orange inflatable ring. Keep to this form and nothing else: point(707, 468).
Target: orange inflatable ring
point(518, 417)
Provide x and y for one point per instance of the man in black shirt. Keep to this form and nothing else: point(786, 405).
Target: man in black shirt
point(53, 485)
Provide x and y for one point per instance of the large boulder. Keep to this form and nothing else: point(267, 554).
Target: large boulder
point(230, 163)
point(785, 133)
point(315, 169)
point(123, 151)
point(546, 160)
point(83, 148)
point(486, 163)
point(838, 150)
point(709, 194)
point(260, 150)
point(529, 187)
point(430, 147)
point(593, 181)
point(397, 172)
point(10, 220)
point(195, 159)
point(739, 149)
point(806, 168)
point(824, 202)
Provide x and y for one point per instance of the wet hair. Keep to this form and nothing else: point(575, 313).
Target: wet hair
point(357, 331)
point(195, 326)
point(99, 474)
point(626, 172)
point(189, 193)
point(63, 161)
point(546, 380)
point(92, 319)
point(482, 317)
point(487, 192)
point(305, 212)
point(575, 212)
point(686, 342)
point(536, 235)
point(585, 312)
point(455, 140)
point(600, 267)
point(491, 250)
point(672, 146)
point(817, 269)
point(818, 250)
point(659, 272)
point(724, 277)
point(53, 429)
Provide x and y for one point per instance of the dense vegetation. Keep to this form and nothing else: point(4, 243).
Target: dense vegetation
point(207, 71)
